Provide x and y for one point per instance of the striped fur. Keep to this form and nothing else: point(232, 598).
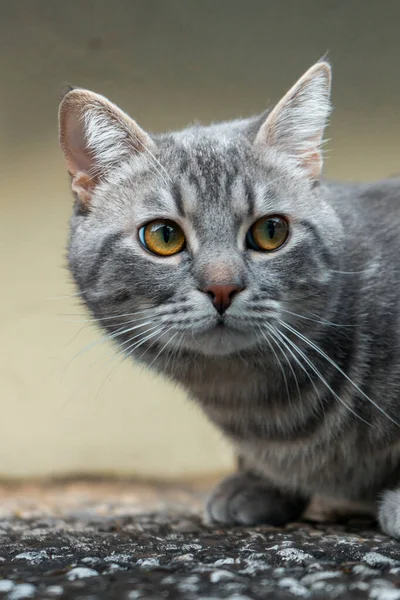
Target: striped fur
point(302, 371)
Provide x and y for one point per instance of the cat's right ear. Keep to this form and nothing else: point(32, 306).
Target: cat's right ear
point(96, 136)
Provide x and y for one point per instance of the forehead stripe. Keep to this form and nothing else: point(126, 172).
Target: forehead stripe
point(250, 198)
point(177, 196)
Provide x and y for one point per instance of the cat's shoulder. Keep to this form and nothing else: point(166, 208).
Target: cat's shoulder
point(374, 194)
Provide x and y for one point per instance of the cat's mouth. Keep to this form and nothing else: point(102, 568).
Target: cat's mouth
point(220, 337)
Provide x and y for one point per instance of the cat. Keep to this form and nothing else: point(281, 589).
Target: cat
point(219, 257)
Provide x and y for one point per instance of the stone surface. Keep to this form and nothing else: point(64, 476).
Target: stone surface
point(106, 540)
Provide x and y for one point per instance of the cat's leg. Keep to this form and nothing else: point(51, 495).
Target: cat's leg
point(246, 499)
point(389, 513)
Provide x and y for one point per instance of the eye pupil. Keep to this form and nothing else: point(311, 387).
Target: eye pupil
point(166, 233)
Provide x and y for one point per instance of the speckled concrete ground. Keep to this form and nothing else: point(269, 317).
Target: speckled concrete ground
point(110, 540)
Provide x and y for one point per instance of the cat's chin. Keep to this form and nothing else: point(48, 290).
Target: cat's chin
point(220, 341)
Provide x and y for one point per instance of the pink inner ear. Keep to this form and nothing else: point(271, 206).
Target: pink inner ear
point(295, 126)
point(95, 135)
point(82, 185)
point(79, 157)
point(313, 163)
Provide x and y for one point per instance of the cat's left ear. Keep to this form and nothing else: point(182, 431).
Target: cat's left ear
point(96, 136)
point(296, 125)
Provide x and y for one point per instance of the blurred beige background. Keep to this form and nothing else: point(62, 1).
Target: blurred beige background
point(66, 410)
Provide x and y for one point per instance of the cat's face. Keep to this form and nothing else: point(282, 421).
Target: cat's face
point(206, 238)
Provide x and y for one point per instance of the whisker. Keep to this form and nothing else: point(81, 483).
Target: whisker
point(175, 352)
point(95, 170)
point(128, 351)
point(163, 348)
point(95, 319)
point(318, 321)
point(108, 377)
point(76, 334)
point(103, 340)
point(125, 356)
point(66, 297)
point(276, 180)
point(305, 297)
point(287, 360)
point(112, 359)
point(322, 378)
point(279, 335)
point(130, 339)
point(280, 365)
point(155, 159)
point(349, 272)
point(120, 316)
point(332, 362)
point(242, 358)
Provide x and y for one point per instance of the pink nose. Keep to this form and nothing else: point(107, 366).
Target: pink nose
point(222, 295)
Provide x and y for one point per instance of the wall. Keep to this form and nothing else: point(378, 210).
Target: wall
point(65, 407)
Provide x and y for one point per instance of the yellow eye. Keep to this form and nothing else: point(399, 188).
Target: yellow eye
point(268, 233)
point(162, 237)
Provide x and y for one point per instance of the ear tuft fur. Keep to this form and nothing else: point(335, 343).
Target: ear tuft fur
point(96, 137)
point(296, 125)
point(65, 89)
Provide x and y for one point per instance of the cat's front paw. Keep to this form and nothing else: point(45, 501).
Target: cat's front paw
point(389, 513)
point(244, 499)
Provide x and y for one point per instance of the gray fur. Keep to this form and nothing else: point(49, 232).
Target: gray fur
point(301, 423)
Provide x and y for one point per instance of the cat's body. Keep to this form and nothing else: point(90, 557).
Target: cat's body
point(297, 355)
point(290, 440)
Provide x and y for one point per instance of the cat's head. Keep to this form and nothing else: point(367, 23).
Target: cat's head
point(204, 238)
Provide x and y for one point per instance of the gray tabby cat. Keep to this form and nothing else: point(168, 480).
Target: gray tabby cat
point(217, 256)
